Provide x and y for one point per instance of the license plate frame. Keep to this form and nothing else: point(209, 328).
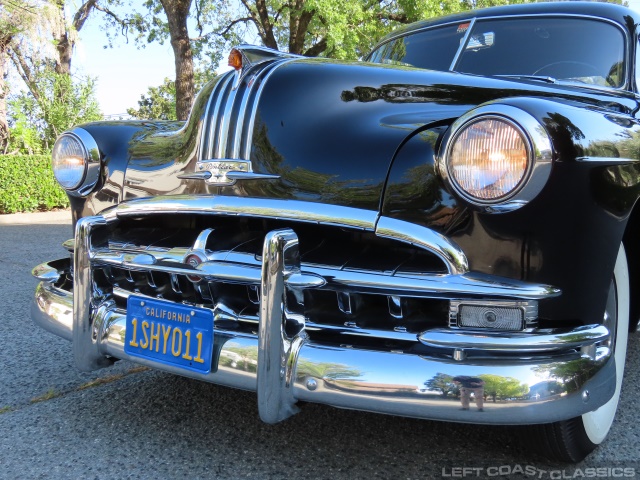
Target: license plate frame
point(169, 333)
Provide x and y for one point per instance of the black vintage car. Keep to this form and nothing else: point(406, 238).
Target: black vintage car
point(447, 230)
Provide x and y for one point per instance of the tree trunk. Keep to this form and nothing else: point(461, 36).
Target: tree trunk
point(177, 12)
point(4, 125)
point(64, 38)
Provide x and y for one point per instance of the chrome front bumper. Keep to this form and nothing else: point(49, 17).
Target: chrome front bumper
point(284, 370)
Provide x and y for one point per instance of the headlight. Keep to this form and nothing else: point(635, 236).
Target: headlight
point(491, 154)
point(489, 159)
point(76, 161)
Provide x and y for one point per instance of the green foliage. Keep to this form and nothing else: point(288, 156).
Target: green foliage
point(334, 28)
point(27, 184)
point(160, 102)
point(60, 104)
point(23, 137)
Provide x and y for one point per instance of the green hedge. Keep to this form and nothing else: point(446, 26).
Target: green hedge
point(27, 184)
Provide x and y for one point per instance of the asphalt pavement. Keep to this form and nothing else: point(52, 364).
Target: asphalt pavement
point(127, 422)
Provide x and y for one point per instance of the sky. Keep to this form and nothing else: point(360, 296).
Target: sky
point(125, 72)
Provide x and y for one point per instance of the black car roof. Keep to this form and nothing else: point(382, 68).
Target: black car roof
point(626, 17)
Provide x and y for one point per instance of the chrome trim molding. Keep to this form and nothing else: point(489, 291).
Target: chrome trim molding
point(295, 210)
point(539, 148)
point(445, 249)
point(463, 44)
point(225, 171)
point(236, 97)
point(514, 341)
point(254, 55)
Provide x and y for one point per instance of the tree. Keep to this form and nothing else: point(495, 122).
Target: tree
point(442, 383)
point(15, 17)
point(168, 20)
point(61, 104)
point(160, 102)
point(335, 28)
point(496, 386)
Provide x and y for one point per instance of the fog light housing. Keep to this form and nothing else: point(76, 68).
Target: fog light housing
point(493, 315)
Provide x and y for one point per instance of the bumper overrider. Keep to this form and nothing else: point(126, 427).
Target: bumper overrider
point(556, 374)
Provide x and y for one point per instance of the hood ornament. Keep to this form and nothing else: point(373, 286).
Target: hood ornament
point(225, 172)
point(244, 56)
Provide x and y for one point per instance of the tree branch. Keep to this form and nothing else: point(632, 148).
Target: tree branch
point(122, 22)
point(23, 70)
point(316, 49)
point(396, 17)
point(256, 20)
point(82, 14)
point(235, 22)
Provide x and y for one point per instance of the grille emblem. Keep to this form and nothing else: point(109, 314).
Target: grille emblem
point(197, 254)
point(225, 172)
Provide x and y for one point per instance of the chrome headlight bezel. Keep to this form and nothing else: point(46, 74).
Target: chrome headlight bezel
point(537, 144)
point(90, 174)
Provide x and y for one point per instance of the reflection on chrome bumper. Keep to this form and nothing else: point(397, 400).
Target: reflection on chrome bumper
point(378, 381)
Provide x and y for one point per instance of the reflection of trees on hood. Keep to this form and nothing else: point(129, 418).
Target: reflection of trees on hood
point(436, 93)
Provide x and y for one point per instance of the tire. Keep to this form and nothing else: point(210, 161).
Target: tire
point(572, 440)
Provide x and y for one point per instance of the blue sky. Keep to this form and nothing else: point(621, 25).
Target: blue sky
point(125, 71)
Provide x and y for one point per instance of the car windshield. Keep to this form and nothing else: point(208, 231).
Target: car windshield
point(563, 48)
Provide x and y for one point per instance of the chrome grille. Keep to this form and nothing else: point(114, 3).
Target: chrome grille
point(143, 261)
point(230, 113)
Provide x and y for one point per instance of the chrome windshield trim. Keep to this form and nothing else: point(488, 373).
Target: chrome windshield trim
point(523, 342)
point(463, 45)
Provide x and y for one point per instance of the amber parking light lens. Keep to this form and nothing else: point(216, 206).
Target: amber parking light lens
point(69, 161)
point(489, 160)
point(235, 59)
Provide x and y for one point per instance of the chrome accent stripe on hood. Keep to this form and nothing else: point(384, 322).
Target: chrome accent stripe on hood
point(230, 114)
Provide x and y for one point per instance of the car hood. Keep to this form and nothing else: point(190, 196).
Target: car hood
point(317, 130)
